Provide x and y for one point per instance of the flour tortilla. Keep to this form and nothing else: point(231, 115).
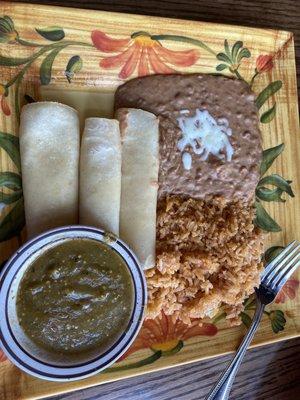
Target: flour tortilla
point(139, 136)
point(100, 174)
point(49, 148)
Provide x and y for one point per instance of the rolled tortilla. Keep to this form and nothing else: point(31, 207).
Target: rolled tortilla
point(139, 136)
point(100, 174)
point(49, 147)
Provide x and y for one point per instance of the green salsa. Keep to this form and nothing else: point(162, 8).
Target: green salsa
point(77, 296)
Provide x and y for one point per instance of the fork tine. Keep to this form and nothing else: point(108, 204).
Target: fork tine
point(281, 265)
point(272, 266)
point(284, 273)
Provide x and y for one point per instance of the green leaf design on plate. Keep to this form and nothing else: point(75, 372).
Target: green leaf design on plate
point(13, 61)
point(244, 53)
point(10, 180)
point(12, 224)
point(221, 67)
point(226, 47)
point(271, 89)
point(9, 198)
point(141, 33)
point(235, 49)
point(269, 156)
point(277, 181)
point(6, 24)
point(249, 302)
point(278, 320)
point(138, 364)
point(74, 65)
point(53, 33)
point(272, 252)
point(268, 115)
point(8, 34)
point(177, 38)
point(263, 219)
point(10, 144)
point(219, 317)
point(223, 57)
point(246, 319)
point(46, 66)
point(266, 194)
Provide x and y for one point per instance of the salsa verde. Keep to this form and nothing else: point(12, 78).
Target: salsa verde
point(76, 296)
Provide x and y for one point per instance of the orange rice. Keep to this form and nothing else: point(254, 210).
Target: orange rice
point(208, 257)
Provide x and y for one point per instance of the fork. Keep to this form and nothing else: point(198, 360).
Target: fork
point(273, 278)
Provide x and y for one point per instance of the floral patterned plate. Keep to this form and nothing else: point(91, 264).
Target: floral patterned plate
point(79, 57)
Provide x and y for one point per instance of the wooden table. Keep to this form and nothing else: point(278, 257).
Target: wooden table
point(271, 372)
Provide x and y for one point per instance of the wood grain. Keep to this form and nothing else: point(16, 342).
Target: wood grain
point(271, 372)
point(274, 14)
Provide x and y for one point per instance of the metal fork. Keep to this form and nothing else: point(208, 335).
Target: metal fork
point(273, 278)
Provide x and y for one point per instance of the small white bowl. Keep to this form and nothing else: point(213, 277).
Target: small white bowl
point(37, 361)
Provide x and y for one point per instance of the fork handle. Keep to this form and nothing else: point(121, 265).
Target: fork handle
point(223, 386)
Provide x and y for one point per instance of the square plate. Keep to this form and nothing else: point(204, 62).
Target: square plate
point(80, 62)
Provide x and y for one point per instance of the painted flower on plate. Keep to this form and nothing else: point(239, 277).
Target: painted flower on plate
point(264, 63)
point(142, 53)
point(3, 102)
point(288, 291)
point(162, 334)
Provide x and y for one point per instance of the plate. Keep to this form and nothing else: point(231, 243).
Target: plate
point(79, 57)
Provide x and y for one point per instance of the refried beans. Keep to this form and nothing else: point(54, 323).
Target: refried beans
point(197, 172)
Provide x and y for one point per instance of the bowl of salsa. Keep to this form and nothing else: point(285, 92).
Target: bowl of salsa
point(72, 301)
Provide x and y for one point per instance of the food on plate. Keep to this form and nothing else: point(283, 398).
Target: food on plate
point(139, 136)
point(210, 143)
point(207, 251)
point(208, 256)
point(185, 146)
point(100, 174)
point(49, 148)
point(76, 296)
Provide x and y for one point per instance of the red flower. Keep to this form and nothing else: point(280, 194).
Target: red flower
point(163, 334)
point(288, 291)
point(4, 104)
point(264, 63)
point(141, 52)
point(2, 356)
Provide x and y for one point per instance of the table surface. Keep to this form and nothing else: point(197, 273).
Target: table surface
point(270, 372)
point(267, 373)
